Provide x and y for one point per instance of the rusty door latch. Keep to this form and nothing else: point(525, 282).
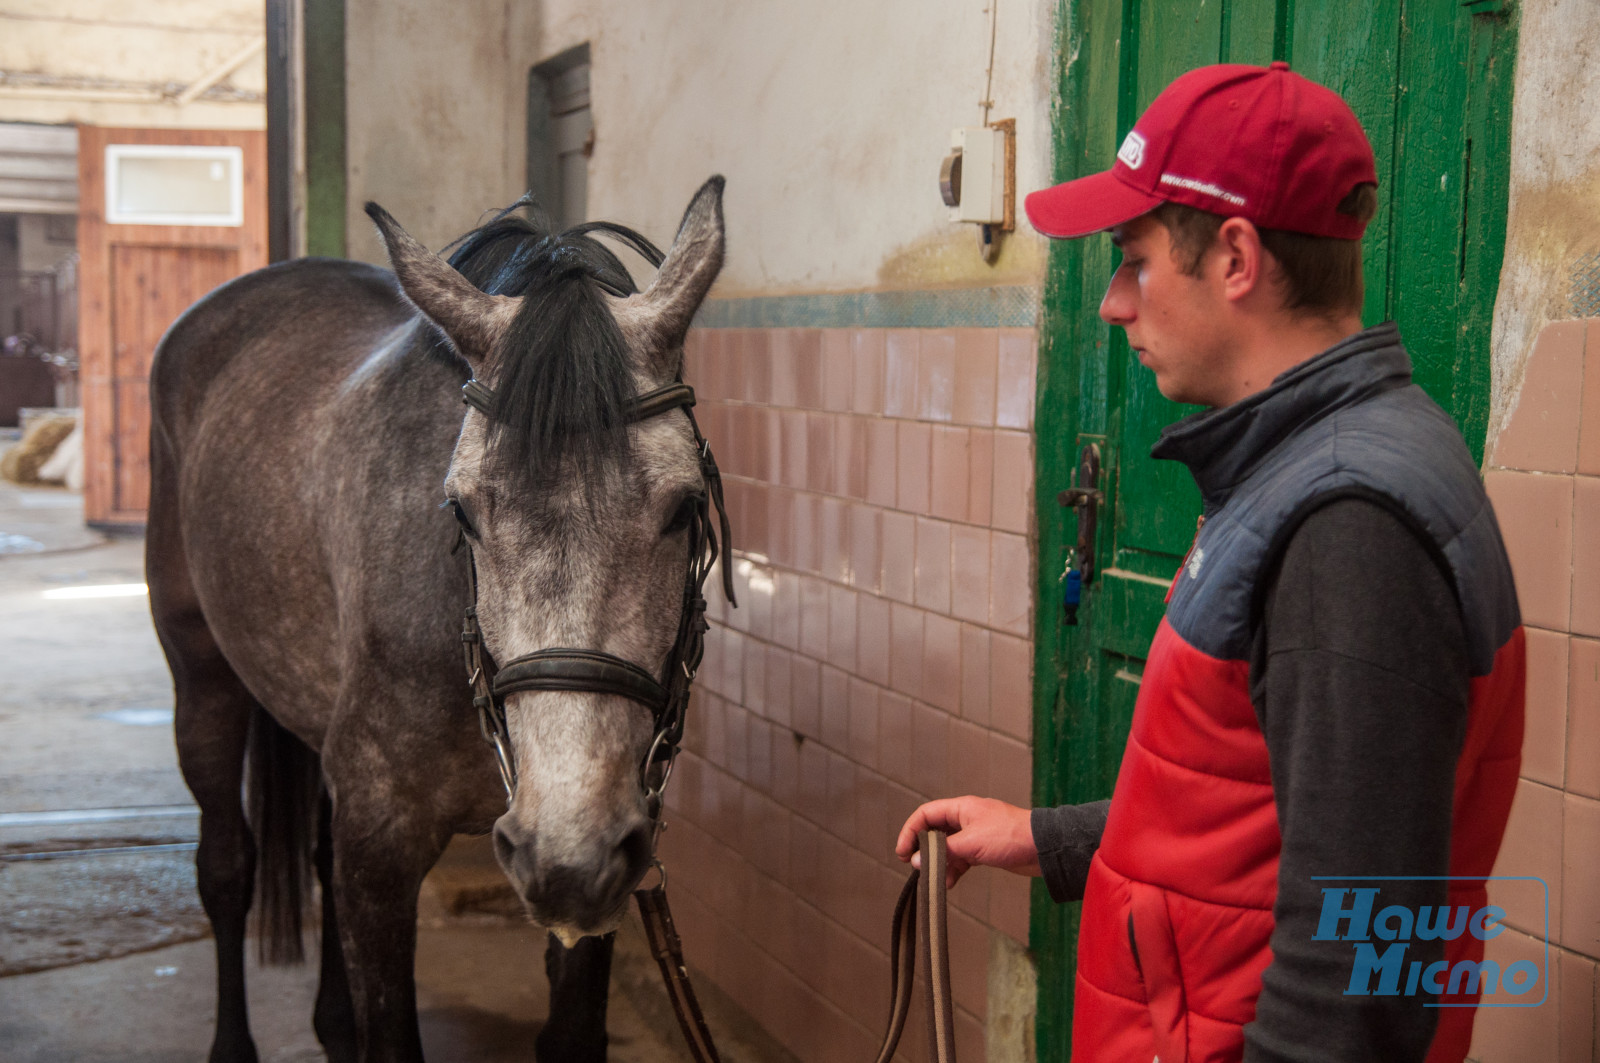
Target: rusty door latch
point(1084, 497)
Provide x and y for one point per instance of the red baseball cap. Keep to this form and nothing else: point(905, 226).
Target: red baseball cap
point(1253, 142)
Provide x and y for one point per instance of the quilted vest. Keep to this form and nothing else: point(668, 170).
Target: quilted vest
point(1177, 913)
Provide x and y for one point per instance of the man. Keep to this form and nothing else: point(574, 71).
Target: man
point(1336, 688)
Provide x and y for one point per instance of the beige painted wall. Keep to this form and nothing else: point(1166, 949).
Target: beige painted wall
point(1554, 216)
point(122, 62)
point(434, 125)
point(829, 120)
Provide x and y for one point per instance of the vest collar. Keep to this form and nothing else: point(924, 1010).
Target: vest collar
point(1223, 445)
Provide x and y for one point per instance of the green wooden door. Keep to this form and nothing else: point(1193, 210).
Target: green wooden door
point(1431, 82)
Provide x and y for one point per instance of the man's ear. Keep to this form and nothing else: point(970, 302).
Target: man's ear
point(1245, 269)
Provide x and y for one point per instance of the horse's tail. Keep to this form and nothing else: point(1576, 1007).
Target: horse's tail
point(283, 786)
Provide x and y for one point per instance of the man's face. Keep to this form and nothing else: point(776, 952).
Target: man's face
point(1176, 324)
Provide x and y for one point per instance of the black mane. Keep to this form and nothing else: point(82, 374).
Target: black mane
point(561, 373)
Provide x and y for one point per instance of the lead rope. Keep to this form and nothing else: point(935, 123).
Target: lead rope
point(927, 919)
point(654, 911)
point(667, 948)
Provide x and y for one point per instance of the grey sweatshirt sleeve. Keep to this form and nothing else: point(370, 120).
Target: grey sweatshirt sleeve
point(1066, 838)
point(1359, 675)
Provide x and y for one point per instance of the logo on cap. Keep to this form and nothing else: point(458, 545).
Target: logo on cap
point(1132, 150)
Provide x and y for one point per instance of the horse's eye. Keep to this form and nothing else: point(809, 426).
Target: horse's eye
point(461, 517)
point(684, 514)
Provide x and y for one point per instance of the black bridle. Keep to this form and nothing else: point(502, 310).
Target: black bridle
point(594, 671)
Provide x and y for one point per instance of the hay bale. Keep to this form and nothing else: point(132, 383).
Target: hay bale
point(21, 463)
point(66, 464)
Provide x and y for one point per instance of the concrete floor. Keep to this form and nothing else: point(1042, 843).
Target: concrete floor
point(480, 995)
point(104, 951)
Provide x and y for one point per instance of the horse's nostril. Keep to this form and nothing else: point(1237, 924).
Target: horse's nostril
point(516, 858)
point(636, 850)
point(623, 865)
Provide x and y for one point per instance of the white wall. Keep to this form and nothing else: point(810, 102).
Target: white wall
point(1554, 214)
point(828, 118)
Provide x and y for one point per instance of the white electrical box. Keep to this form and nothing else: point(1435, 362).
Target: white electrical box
point(981, 189)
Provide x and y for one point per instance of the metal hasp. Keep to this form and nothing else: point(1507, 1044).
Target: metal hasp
point(1085, 497)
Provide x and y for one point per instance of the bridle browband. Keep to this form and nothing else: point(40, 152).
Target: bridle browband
point(595, 671)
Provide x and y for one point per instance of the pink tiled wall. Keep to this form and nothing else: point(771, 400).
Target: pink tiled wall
point(1544, 479)
point(879, 483)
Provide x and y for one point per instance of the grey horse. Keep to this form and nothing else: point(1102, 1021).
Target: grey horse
point(312, 465)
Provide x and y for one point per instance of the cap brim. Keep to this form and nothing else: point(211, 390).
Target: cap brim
point(1087, 205)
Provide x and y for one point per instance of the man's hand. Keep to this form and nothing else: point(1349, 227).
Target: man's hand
point(982, 831)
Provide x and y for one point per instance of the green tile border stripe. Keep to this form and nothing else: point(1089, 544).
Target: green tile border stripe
point(1005, 306)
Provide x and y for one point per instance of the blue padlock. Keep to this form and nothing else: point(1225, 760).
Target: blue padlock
point(1072, 594)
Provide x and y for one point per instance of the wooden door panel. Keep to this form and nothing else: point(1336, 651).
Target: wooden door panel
point(150, 287)
point(131, 483)
point(1488, 72)
point(1174, 36)
point(1164, 529)
point(1250, 31)
point(1354, 49)
point(134, 281)
point(1425, 207)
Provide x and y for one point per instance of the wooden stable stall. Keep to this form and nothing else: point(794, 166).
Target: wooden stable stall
point(136, 277)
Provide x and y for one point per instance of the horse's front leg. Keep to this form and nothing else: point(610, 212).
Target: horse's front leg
point(580, 979)
point(382, 848)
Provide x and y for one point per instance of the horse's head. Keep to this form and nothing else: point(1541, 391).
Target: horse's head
point(579, 519)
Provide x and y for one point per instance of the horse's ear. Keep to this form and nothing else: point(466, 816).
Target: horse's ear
point(692, 263)
point(472, 319)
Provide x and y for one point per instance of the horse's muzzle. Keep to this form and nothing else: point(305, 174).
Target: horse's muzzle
point(584, 889)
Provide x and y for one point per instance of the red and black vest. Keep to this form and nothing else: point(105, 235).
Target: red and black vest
point(1177, 913)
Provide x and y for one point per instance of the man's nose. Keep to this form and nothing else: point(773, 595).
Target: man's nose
point(1116, 308)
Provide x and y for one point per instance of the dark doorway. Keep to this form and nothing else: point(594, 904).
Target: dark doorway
point(561, 135)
